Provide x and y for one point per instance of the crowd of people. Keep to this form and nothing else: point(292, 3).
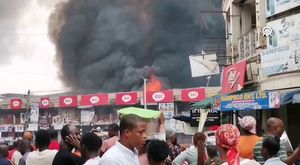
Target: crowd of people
point(127, 144)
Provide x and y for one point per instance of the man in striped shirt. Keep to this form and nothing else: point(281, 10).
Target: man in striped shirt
point(275, 127)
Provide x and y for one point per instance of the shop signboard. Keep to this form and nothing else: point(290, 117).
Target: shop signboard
point(279, 60)
point(213, 117)
point(278, 6)
point(234, 77)
point(250, 101)
point(285, 31)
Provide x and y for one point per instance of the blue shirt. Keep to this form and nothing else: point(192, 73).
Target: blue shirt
point(4, 161)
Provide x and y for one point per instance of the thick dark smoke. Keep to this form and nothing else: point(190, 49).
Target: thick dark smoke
point(106, 45)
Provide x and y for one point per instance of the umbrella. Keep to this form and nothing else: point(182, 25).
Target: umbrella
point(143, 113)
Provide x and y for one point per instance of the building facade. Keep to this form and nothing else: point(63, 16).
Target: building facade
point(266, 34)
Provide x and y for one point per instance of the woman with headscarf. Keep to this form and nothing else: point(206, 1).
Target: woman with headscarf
point(248, 139)
point(195, 155)
point(227, 137)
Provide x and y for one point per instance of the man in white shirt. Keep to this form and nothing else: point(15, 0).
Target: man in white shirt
point(43, 156)
point(270, 148)
point(132, 135)
point(90, 145)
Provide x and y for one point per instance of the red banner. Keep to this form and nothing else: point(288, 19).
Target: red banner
point(160, 96)
point(16, 104)
point(129, 98)
point(192, 95)
point(67, 101)
point(94, 99)
point(45, 102)
point(234, 77)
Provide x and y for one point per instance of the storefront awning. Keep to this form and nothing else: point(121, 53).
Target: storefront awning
point(207, 103)
point(290, 96)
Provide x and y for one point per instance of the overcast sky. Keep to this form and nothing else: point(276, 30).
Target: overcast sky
point(27, 57)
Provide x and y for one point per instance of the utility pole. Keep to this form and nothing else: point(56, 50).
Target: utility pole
point(27, 110)
point(145, 91)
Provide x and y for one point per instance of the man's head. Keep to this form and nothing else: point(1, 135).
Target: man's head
point(212, 151)
point(3, 151)
point(42, 139)
point(69, 130)
point(53, 135)
point(248, 124)
point(157, 152)
point(170, 136)
point(133, 130)
point(113, 130)
point(270, 147)
point(24, 146)
point(275, 126)
point(27, 136)
point(90, 142)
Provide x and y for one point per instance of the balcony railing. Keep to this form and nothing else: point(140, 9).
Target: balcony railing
point(247, 45)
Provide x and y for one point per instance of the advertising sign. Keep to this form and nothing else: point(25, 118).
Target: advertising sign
point(67, 101)
point(87, 116)
point(167, 109)
point(213, 117)
point(165, 96)
point(192, 95)
point(129, 98)
point(94, 99)
point(285, 31)
point(278, 6)
point(234, 77)
point(279, 60)
point(34, 113)
point(250, 101)
point(44, 123)
point(45, 102)
point(16, 104)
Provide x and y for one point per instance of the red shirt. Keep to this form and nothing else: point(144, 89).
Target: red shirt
point(10, 154)
point(54, 145)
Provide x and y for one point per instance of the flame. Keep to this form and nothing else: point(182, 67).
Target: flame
point(154, 84)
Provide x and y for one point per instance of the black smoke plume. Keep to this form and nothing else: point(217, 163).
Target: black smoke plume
point(106, 45)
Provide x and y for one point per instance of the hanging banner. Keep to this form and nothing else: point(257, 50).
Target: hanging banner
point(67, 101)
point(278, 6)
point(192, 95)
point(34, 113)
point(87, 116)
point(250, 101)
point(160, 96)
point(94, 100)
point(16, 104)
point(45, 102)
point(129, 98)
point(44, 123)
point(167, 109)
point(234, 77)
point(57, 122)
